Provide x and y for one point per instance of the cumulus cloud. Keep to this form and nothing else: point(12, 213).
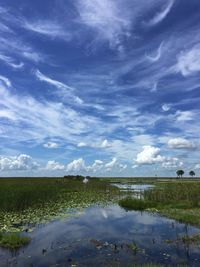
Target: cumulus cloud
point(98, 166)
point(172, 163)
point(114, 164)
point(51, 145)
point(181, 143)
point(77, 165)
point(188, 62)
point(54, 166)
point(22, 162)
point(162, 14)
point(149, 155)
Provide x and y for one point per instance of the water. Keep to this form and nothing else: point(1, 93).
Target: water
point(100, 237)
point(134, 187)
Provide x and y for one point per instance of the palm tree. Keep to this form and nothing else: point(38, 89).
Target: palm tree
point(192, 173)
point(179, 173)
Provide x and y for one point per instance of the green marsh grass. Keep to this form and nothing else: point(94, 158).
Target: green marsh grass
point(25, 202)
point(13, 240)
point(175, 199)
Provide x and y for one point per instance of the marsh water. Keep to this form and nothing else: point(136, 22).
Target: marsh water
point(134, 187)
point(106, 236)
point(101, 236)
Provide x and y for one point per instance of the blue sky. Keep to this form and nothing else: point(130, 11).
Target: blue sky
point(99, 87)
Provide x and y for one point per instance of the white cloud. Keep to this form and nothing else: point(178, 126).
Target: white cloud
point(157, 56)
point(107, 17)
point(45, 119)
point(54, 166)
point(149, 155)
point(97, 166)
point(33, 56)
point(51, 145)
point(22, 162)
point(105, 144)
point(81, 144)
point(166, 107)
point(183, 116)
point(160, 16)
point(111, 164)
point(68, 91)
point(5, 80)
point(189, 61)
point(172, 163)
point(180, 143)
point(49, 28)
point(11, 62)
point(114, 165)
point(77, 165)
point(197, 166)
point(155, 87)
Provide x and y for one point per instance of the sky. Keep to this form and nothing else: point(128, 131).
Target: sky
point(99, 87)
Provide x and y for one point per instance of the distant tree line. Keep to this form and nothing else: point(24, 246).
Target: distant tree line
point(76, 177)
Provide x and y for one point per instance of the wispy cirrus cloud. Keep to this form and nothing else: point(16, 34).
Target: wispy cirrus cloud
point(67, 90)
point(49, 28)
point(157, 56)
point(162, 14)
point(107, 19)
point(11, 62)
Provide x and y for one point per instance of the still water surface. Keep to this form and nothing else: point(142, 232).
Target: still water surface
point(100, 236)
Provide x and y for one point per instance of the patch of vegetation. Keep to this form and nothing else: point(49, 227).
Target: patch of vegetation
point(191, 239)
point(133, 247)
point(136, 204)
point(175, 199)
point(25, 202)
point(13, 240)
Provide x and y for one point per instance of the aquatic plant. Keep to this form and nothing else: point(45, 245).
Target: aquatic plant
point(13, 240)
point(26, 202)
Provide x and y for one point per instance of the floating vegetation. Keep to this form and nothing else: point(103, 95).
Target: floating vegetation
point(191, 239)
point(25, 202)
point(133, 247)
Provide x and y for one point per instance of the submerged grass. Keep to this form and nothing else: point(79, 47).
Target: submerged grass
point(13, 240)
point(178, 200)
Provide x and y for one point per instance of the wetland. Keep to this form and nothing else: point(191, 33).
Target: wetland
point(105, 222)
